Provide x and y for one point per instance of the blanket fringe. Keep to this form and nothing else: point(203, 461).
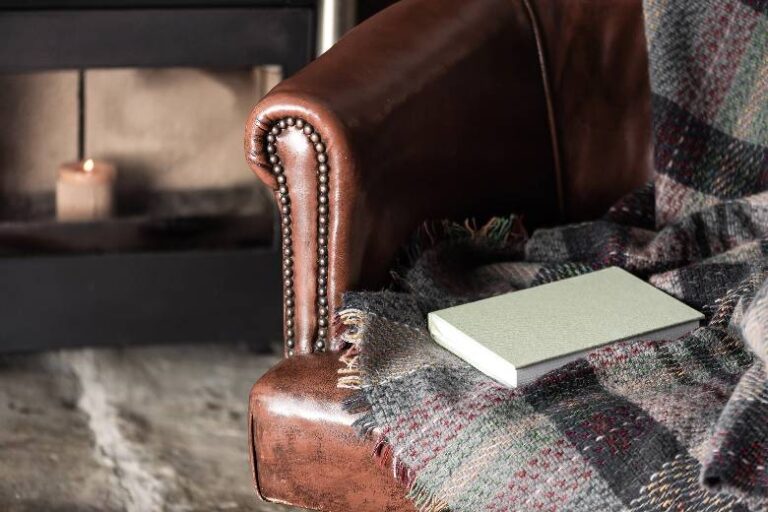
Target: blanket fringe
point(401, 472)
point(425, 500)
point(365, 425)
point(497, 231)
point(382, 452)
point(355, 403)
point(349, 326)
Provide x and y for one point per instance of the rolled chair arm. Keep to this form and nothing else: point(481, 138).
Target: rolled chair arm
point(427, 110)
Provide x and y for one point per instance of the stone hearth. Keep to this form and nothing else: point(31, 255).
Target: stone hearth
point(128, 429)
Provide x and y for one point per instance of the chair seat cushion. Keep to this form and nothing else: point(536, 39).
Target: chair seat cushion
point(304, 450)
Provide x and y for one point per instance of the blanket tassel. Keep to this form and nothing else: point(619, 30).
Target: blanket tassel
point(426, 501)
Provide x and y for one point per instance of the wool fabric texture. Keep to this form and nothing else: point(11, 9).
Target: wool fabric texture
point(679, 424)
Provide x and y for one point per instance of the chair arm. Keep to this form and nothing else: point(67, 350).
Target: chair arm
point(430, 109)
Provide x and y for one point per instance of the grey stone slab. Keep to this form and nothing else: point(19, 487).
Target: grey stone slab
point(46, 446)
point(128, 429)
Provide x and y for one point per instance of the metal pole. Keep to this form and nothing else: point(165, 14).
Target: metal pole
point(334, 18)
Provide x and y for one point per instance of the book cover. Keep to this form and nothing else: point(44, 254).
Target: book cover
point(518, 336)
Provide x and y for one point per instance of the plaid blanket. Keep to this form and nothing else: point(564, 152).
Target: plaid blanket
point(679, 424)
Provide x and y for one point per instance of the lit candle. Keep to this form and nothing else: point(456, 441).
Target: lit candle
point(85, 190)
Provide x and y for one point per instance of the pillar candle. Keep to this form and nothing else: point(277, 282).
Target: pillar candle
point(85, 190)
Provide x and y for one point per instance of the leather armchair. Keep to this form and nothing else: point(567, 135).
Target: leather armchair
point(430, 109)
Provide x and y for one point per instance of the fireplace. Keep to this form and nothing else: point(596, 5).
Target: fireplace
point(159, 90)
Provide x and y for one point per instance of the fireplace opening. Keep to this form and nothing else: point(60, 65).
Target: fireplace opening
point(168, 237)
point(172, 140)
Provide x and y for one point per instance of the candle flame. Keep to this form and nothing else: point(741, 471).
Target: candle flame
point(88, 165)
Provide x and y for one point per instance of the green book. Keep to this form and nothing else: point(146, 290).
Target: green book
point(519, 336)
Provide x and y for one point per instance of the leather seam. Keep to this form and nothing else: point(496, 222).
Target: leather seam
point(551, 120)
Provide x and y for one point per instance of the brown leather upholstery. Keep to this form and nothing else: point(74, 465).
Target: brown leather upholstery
point(432, 109)
point(438, 109)
point(597, 65)
point(425, 113)
point(304, 449)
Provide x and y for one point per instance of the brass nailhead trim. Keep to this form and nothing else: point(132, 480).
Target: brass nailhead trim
point(322, 230)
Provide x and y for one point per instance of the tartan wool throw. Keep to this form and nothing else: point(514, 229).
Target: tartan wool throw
point(647, 425)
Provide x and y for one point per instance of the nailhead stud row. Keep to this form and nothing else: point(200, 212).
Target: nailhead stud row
point(322, 230)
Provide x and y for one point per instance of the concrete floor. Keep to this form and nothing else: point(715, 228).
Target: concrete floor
point(128, 429)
